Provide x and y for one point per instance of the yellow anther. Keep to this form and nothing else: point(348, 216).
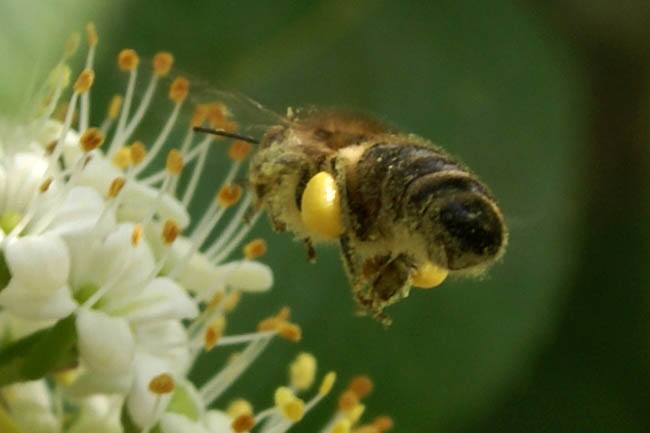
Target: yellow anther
point(239, 407)
point(243, 423)
point(199, 116)
point(138, 152)
point(84, 81)
point(217, 114)
point(229, 194)
point(210, 337)
point(122, 158)
point(49, 148)
point(45, 185)
point(368, 428)
point(239, 150)
point(254, 249)
point(283, 395)
point(429, 275)
point(91, 34)
point(127, 60)
point(290, 331)
point(290, 406)
point(272, 323)
point(178, 89)
point(361, 386)
point(72, 44)
point(383, 423)
point(115, 106)
point(348, 401)
point(162, 384)
point(116, 186)
point(162, 63)
point(327, 383)
point(174, 164)
point(302, 371)
point(354, 414)
point(215, 301)
point(230, 126)
point(91, 139)
point(170, 231)
point(231, 301)
point(341, 426)
point(321, 206)
point(136, 235)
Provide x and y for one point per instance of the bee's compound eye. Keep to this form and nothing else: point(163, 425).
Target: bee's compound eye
point(429, 275)
point(321, 206)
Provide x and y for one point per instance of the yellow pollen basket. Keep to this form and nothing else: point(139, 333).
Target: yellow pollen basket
point(321, 206)
point(429, 275)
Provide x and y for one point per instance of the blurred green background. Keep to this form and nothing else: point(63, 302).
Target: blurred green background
point(547, 101)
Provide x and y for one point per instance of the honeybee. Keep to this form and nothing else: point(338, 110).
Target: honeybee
point(403, 211)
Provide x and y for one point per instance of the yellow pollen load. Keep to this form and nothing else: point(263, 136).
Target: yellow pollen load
point(91, 139)
point(45, 185)
point(127, 60)
point(91, 34)
point(239, 407)
point(136, 235)
point(162, 63)
point(174, 164)
point(327, 383)
point(361, 386)
point(170, 231)
point(72, 44)
point(254, 249)
point(429, 275)
point(302, 371)
point(137, 151)
point(239, 150)
point(229, 194)
point(162, 384)
point(122, 158)
point(84, 81)
point(178, 89)
point(243, 424)
point(341, 426)
point(321, 206)
point(114, 106)
point(116, 186)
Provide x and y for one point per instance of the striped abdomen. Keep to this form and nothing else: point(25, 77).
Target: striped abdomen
point(409, 186)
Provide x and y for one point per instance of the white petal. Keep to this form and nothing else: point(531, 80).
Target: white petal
point(141, 402)
point(93, 382)
point(39, 264)
point(24, 174)
point(138, 200)
point(247, 275)
point(166, 340)
point(218, 422)
point(105, 343)
point(175, 423)
point(198, 274)
point(161, 299)
point(24, 303)
point(79, 212)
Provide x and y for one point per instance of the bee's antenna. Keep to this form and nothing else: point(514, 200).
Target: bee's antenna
point(223, 133)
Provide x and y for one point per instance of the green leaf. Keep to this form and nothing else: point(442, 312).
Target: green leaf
point(127, 423)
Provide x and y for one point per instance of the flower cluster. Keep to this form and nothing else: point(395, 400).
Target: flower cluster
point(108, 294)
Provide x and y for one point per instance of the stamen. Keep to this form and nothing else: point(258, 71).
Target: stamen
point(196, 173)
point(243, 231)
point(114, 106)
point(91, 140)
point(230, 340)
point(91, 34)
point(84, 81)
point(178, 89)
point(327, 384)
point(45, 185)
point(302, 371)
point(342, 426)
point(355, 413)
point(361, 386)
point(170, 231)
point(229, 195)
point(213, 333)
point(136, 235)
point(127, 60)
point(174, 164)
point(162, 63)
point(116, 186)
point(383, 423)
point(162, 384)
point(71, 45)
point(243, 423)
point(122, 158)
point(138, 152)
point(254, 249)
point(348, 401)
point(290, 331)
point(239, 407)
point(231, 301)
point(199, 116)
point(239, 150)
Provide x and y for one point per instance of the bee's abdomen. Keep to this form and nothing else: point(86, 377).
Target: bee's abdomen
point(424, 190)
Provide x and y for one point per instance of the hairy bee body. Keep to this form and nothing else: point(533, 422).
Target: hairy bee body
point(404, 201)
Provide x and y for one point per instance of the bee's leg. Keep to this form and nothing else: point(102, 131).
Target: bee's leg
point(311, 252)
point(392, 283)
